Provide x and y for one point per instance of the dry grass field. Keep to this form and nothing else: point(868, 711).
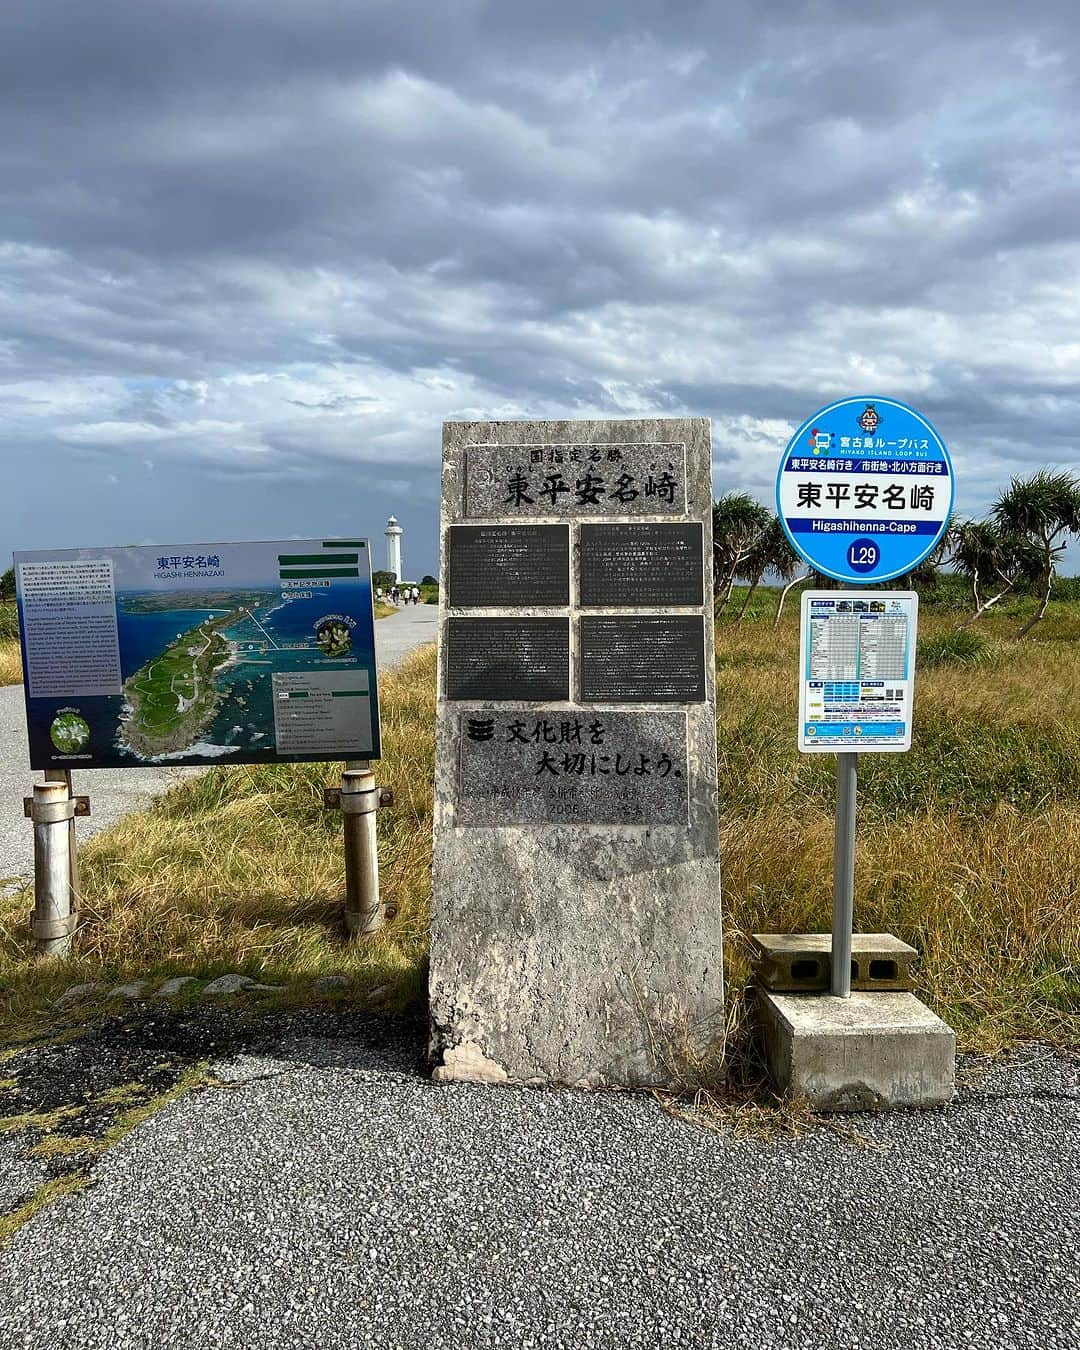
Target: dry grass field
point(969, 846)
point(10, 658)
point(10, 661)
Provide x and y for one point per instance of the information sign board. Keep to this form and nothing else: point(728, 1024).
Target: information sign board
point(864, 490)
point(241, 653)
point(857, 682)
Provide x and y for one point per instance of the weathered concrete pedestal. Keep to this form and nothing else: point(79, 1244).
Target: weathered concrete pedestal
point(575, 930)
point(871, 1051)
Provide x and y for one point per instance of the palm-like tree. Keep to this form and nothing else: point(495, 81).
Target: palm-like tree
point(739, 522)
point(924, 575)
point(992, 560)
point(1043, 510)
point(770, 552)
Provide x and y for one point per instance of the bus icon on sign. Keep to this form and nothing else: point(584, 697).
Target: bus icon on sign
point(822, 440)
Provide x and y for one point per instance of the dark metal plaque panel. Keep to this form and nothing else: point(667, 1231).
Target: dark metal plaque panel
point(501, 659)
point(508, 565)
point(644, 659)
point(648, 479)
point(642, 564)
point(577, 768)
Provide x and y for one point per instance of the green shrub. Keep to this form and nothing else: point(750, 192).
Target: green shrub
point(962, 647)
point(968, 763)
point(9, 621)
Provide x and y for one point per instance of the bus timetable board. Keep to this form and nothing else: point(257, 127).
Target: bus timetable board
point(857, 682)
point(240, 653)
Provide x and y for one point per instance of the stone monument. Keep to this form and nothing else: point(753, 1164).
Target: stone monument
point(576, 933)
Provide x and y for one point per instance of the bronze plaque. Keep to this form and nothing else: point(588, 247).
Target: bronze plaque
point(642, 564)
point(642, 658)
point(508, 565)
point(525, 660)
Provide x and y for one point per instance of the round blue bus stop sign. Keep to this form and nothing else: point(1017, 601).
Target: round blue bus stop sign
point(865, 489)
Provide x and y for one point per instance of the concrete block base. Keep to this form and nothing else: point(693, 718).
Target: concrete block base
point(869, 1052)
point(800, 962)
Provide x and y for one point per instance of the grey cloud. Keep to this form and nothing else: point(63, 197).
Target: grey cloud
point(272, 244)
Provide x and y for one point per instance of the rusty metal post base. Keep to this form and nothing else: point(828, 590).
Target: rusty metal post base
point(358, 799)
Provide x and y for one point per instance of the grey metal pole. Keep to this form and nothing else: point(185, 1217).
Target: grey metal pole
point(359, 808)
point(847, 787)
point(64, 776)
point(53, 920)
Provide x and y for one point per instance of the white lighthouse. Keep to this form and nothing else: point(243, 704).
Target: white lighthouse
point(393, 534)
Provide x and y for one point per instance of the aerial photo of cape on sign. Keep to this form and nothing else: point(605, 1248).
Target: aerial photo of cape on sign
point(201, 654)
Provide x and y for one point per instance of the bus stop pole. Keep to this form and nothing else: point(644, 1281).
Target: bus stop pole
point(847, 785)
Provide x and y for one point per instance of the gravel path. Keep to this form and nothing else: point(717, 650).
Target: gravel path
point(115, 792)
point(335, 1197)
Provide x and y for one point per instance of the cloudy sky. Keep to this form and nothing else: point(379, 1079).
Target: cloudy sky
point(254, 252)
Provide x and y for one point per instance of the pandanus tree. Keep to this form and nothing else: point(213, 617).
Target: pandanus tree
point(770, 552)
point(993, 561)
point(739, 523)
point(1044, 511)
point(924, 576)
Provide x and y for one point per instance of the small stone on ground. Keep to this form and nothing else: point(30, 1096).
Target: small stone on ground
point(76, 993)
point(135, 989)
point(172, 987)
point(235, 984)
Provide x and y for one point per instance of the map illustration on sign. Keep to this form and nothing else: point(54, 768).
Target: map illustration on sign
point(857, 683)
point(224, 653)
point(864, 490)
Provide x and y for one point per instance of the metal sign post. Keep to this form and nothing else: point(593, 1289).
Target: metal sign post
point(847, 786)
point(863, 491)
